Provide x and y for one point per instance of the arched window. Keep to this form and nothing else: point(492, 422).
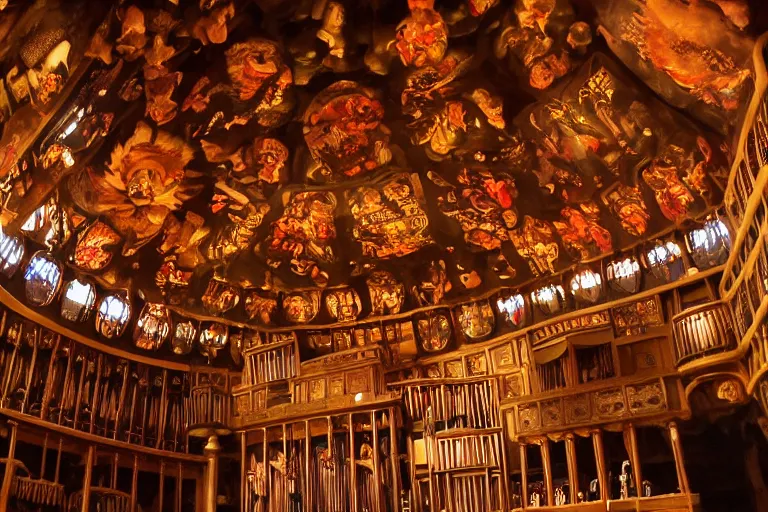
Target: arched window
point(152, 327)
point(664, 260)
point(710, 244)
point(79, 300)
point(587, 286)
point(11, 252)
point(43, 278)
point(113, 315)
point(512, 309)
point(624, 275)
point(550, 299)
point(184, 336)
point(213, 338)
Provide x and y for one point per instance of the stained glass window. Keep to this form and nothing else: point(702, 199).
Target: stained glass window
point(78, 301)
point(113, 315)
point(710, 244)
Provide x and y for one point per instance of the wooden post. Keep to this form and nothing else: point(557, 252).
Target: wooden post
point(352, 466)
point(395, 459)
point(546, 462)
point(243, 471)
point(634, 456)
point(677, 451)
point(134, 483)
point(602, 475)
point(573, 469)
point(211, 450)
point(161, 492)
point(10, 468)
point(88, 477)
point(524, 475)
point(377, 477)
point(179, 488)
point(307, 460)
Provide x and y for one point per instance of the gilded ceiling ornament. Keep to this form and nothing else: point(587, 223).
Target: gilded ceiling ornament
point(213, 337)
point(389, 218)
point(433, 284)
point(434, 330)
point(628, 206)
point(257, 88)
point(482, 203)
point(260, 307)
point(673, 197)
point(301, 307)
point(533, 37)
point(144, 181)
point(343, 304)
point(387, 294)
point(476, 319)
point(422, 38)
point(344, 132)
point(535, 241)
point(153, 326)
point(680, 51)
point(95, 247)
point(211, 26)
point(303, 235)
point(220, 296)
point(582, 235)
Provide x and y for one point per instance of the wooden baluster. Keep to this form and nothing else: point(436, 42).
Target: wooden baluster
point(677, 452)
point(163, 410)
point(546, 462)
point(50, 380)
point(31, 371)
point(352, 465)
point(95, 402)
point(79, 393)
point(114, 470)
point(573, 471)
point(121, 401)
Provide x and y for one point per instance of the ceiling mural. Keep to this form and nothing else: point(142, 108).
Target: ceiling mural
point(275, 163)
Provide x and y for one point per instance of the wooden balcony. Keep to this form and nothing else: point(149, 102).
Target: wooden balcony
point(702, 330)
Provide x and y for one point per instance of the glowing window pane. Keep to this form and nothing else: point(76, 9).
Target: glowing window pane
point(512, 308)
point(113, 315)
point(710, 244)
point(79, 300)
point(550, 299)
point(664, 260)
point(587, 286)
point(624, 275)
point(11, 252)
point(43, 277)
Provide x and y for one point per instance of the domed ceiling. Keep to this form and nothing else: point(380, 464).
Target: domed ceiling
point(274, 163)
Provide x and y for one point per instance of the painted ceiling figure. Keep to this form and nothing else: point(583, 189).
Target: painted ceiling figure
point(145, 180)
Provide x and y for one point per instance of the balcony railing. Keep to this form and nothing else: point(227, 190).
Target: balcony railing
point(210, 410)
point(701, 331)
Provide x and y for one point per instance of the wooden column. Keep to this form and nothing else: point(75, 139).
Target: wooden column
point(10, 467)
point(307, 465)
point(88, 477)
point(546, 462)
point(634, 456)
point(677, 451)
point(573, 468)
point(211, 450)
point(524, 475)
point(602, 475)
